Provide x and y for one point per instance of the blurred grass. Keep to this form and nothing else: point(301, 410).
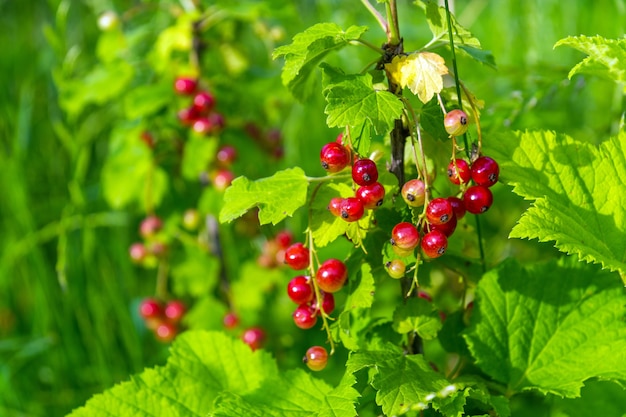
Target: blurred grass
point(67, 290)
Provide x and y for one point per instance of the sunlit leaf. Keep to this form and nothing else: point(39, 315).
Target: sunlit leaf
point(421, 72)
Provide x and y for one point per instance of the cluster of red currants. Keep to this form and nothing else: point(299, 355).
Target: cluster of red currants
point(273, 252)
point(152, 247)
point(334, 157)
point(200, 115)
point(162, 318)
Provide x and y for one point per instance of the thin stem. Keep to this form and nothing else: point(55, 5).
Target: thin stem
point(393, 34)
point(369, 45)
point(379, 17)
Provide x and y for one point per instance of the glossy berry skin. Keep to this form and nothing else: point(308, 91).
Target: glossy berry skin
point(455, 122)
point(331, 275)
point(414, 192)
point(231, 320)
point(297, 256)
point(405, 236)
point(477, 199)
point(371, 196)
point(203, 102)
point(300, 290)
point(446, 228)
point(185, 86)
point(305, 316)
point(150, 309)
point(150, 226)
point(396, 268)
point(328, 302)
point(316, 358)
point(364, 172)
point(485, 171)
point(254, 337)
point(166, 332)
point(459, 172)
point(457, 206)
point(175, 310)
point(434, 244)
point(334, 157)
point(351, 209)
point(334, 206)
point(439, 211)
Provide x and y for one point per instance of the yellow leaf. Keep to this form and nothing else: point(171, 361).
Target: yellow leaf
point(422, 72)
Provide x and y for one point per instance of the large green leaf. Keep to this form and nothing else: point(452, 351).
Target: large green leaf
point(577, 189)
point(277, 197)
point(417, 315)
point(607, 57)
point(308, 49)
point(549, 327)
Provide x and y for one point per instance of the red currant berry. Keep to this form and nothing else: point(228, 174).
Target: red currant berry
point(455, 122)
point(331, 275)
point(175, 310)
point(216, 121)
point(222, 178)
point(439, 211)
point(150, 226)
point(226, 155)
point(446, 228)
point(457, 206)
point(405, 236)
point(316, 358)
point(434, 244)
point(138, 252)
point(414, 192)
point(185, 86)
point(334, 206)
point(202, 125)
point(396, 268)
point(254, 337)
point(351, 209)
point(300, 290)
point(371, 195)
point(424, 295)
point(364, 171)
point(328, 302)
point(485, 171)
point(305, 316)
point(203, 102)
point(150, 309)
point(284, 239)
point(334, 157)
point(339, 138)
point(477, 199)
point(231, 320)
point(297, 256)
point(188, 116)
point(166, 332)
point(459, 171)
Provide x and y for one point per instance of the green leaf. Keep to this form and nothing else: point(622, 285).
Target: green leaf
point(598, 398)
point(407, 382)
point(308, 49)
point(197, 275)
point(417, 315)
point(607, 57)
point(362, 296)
point(549, 327)
point(146, 100)
point(577, 190)
point(277, 197)
point(202, 365)
point(352, 100)
point(199, 153)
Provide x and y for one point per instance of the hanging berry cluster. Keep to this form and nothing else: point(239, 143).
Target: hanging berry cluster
point(164, 319)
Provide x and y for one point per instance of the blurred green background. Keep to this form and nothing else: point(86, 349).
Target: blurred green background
point(68, 293)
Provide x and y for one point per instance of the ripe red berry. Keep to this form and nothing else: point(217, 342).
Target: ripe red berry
point(175, 310)
point(304, 316)
point(434, 244)
point(150, 226)
point(364, 171)
point(217, 121)
point(202, 125)
point(371, 195)
point(316, 358)
point(331, 275)
point(477, 199)
point(396, 268)
point(166, 332)
point(405, 236)
point(137, 252)
point(185, 85)
point(300, 290)
point(414, 192)
point(485, 171)
point(203, 102)
point(334, 157)
point(351, 209)
point(231, 320)
point(455, 122)
point(334, 206)
point(150, 309)
point(188, 116)
point(446, 228)
point(439, 211)
point(226, 155)
point(222, 178)
point(284, 239)
point(297, 256)
point(459, 171)
point(457, 206)
point(328, 302)
point(254, 337)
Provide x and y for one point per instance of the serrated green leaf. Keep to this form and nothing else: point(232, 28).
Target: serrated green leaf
point(549, 327)
point(352, 100)
point(202, 365)
point(575, 203)
point(277, 197)
point(607, 57)
point(363, 295)
point(417, 315)
point(431, 119)
point(340, 401)
point(146, 100)
point(308, 49)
